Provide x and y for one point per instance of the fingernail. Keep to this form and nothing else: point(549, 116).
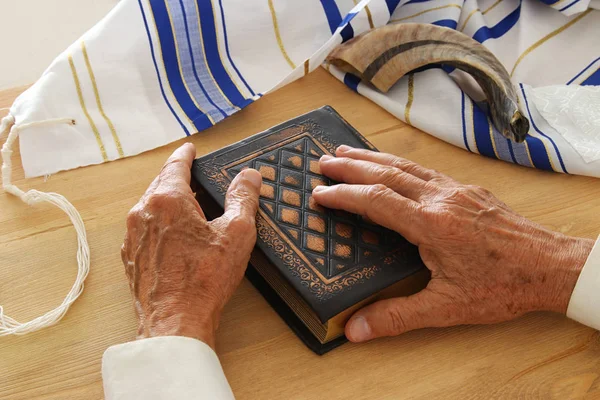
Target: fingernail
point(344, 148)
point(253, 176)
point(326, 157)
point(359, 330)
point(320, 189)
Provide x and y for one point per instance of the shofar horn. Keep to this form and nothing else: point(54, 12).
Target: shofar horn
point(383, 55)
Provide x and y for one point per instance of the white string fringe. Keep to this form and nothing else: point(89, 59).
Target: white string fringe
point(8, 325)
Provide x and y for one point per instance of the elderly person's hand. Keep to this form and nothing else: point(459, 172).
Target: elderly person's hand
point(181, 268)
point(488, 264)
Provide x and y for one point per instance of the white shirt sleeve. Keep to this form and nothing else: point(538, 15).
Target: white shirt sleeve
point(166, 367)
point(584, 305)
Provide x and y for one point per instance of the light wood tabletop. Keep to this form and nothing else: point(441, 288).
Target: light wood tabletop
point(539, 356)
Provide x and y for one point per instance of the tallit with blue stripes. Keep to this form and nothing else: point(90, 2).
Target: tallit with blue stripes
point(154, 71)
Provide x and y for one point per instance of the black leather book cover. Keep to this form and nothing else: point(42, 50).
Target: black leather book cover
point(332, 259)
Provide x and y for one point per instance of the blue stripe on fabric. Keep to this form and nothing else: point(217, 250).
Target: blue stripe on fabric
point(566, 7)
point(481, 128)
point(171, 64)
point(562, 164)
point(585, 69)
point(412, 1)
point(211, 49)
point(484, 33)
point(392, 4)
point(352, 81)
point(448, 23)
point(593, 79)
point(188, 63)
point(349, 17)
point(334, 19)
point(464, 121)
point(539, 156)
point(227, 49)
point(332, 12)
point(347, 33)
point(160, 84)
point(549, 2)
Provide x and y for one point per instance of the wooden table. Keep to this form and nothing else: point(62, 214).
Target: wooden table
point(541, 355)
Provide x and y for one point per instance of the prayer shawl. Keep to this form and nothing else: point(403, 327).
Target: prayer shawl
point(154, 71)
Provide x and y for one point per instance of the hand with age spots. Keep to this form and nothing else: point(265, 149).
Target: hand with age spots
point(181, 268)
point(488, 264)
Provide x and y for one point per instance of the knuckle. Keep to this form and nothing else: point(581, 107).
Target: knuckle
point(406, 165)
point(389, 176)
point(483, 192)
point(458, 193)
point(134, 216)
point(243, 198)
point(240, 223)
point(162, 200)
point(401, 164)
point(395, 321)
point(169, 164)
point(377, 192)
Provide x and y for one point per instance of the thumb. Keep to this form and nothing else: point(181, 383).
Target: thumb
point(241, 201)
point(394, 316)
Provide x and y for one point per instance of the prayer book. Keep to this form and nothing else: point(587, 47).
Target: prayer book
point(314, 266)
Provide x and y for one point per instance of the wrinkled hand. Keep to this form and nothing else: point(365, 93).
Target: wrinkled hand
point(181, 268)
point(488, 264)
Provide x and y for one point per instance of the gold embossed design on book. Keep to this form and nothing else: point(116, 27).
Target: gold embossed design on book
point(330, 251)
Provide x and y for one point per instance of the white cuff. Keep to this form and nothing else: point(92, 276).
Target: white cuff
point(584, 305)
point(167, 367)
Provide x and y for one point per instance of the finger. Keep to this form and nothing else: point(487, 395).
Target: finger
point(177, 169)
point(378, 203)
point(405, 165)
point(348, 170)
point(395, 316)
point(241, 201)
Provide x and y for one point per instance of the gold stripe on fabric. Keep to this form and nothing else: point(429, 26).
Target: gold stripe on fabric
point(85, 111)
point(426, 11)
point(529, 154)
point(219, 49)
point(468, 18)
point(546, 38)
point(491, 7)
point(166, 80)
point(541, 139)
point(206, 62)
point(369, 16)
point(590, 74)
point(306, 69)
point(492, 138)
point(411, 93)
point(278, 36)
point(212, 121)
point(558, 3)
point(99, 103)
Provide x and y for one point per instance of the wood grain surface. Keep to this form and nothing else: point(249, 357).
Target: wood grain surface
point(539, 356)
